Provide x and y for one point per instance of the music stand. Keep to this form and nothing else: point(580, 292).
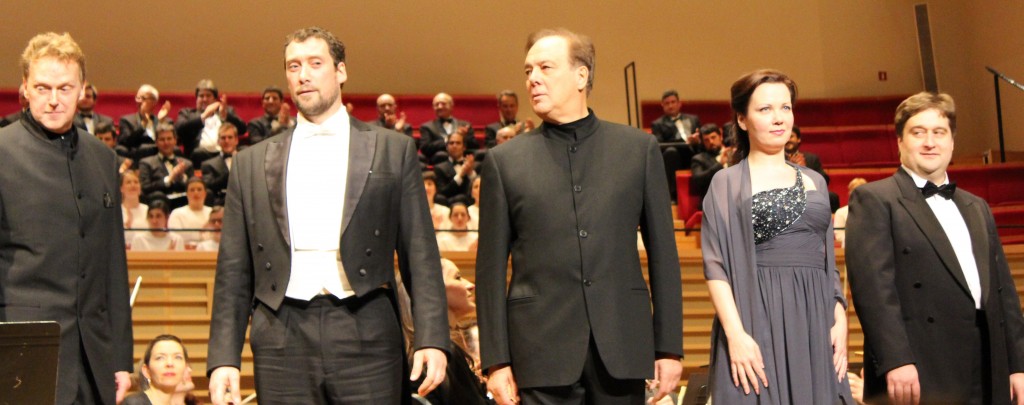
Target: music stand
point(697, 390)
point(30, 350)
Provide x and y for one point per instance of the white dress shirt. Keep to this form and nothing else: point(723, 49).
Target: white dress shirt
point(208, 136)
point(956, 231)
point(315, 200)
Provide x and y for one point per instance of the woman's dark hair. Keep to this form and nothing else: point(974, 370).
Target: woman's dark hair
point(163, 338)
point(741, 91)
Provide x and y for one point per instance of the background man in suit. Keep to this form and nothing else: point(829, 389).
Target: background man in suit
point(679, 129)
point(575, 325)
point(324, 326)
point(276, 117)
point(708, 162)
point(138, 130)
point(61, 237)
point(216, 169)
point(87, 118)
point(164, 176)
point(802, 158)
point(434, 134)
point(941, 316)
point(508, 109)
point(455, 174)
point(388, 116)
point(197, 127)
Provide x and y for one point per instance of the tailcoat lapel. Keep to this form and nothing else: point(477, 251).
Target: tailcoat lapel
point(913, 201)
point(975, 219)
point(362, 145)
point(275, 164)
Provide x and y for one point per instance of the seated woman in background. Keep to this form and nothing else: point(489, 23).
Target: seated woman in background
point(166, 375)
point(133, 212)
point(192, 216)
point(157, 238)
point(458, 239)
point(211, 242)
point(438, 213)
point(474, 210)
point(843, 212)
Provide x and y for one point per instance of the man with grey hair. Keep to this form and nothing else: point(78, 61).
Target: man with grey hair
point(434, 133)
point(574, 324)
point(138, 130)
point(388, 116)
point(62, 236)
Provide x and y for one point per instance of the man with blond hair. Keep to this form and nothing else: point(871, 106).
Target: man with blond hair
point(61, 238)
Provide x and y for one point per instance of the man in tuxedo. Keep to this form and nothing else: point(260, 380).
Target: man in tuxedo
point(454, 176)
point(802, 158)
point(709, 161)
point(388, 116)
point(313, 219)
point(276, 117)
point(216, 169)
point(675, 126)
point(87, 118)
point(138, 130)
point(62, 252)
point(508, 109)
point(941, 317)
point(197, 127)
point(434, 134)
point(164, 176)
point(575, 323)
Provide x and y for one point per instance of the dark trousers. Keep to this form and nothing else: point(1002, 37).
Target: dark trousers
point(595, 387)
point(328, 351)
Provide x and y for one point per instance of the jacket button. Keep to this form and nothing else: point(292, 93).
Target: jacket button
point(917, 284)
point(83, 276)
point(82, 234)
point(577, 188)
point(369, 252)
point(376, 232)
point(362, 272)
point(587, 283)
point(273, 287)
point(906, 250)
point(259, 247)
point(80, 195)
point(573, 149)
point(268, 266)
point(583, 233)
point(931, 320)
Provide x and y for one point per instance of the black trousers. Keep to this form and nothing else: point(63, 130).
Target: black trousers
point(328, 351)
point(595, 387)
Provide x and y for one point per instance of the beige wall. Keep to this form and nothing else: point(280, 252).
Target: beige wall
point(832, 48)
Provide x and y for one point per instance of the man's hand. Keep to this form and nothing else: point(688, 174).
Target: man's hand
point(127, 164)
point(502, 385)
point(178, 171)
point(666, 377)
point(400, 123)
point(123, 380)
point(694, 138)
point(210, 110)
point(467, 166)
point(903, 385)
point(798, 158)
point(164, 110)
point(223, 109)
point(1017, 388)
point(224, 386)
point(284, 116)
point(434, 374)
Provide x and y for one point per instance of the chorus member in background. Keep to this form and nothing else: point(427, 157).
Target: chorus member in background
point(62, 252)
point(275, 120)
point(211, 242)
point(842, 214)
point(933, 292)
point(138, 131)
point(132, 211)
point(438, 213)
point(157, 238)
point(192, 216)
point(779, 336)
point(166, 375)
point(474, 210)
point(458, 238)
point(575, 323)
point(313, 221)
point(197, 127)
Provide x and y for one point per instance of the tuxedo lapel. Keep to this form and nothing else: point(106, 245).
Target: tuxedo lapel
point(362, 145)
point(275, 165)
point(975, 219)
point(913, 201)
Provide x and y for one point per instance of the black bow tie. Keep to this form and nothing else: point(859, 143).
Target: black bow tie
point(945, 190)
point(86, 115)
point(447, 120)
point(170, 160)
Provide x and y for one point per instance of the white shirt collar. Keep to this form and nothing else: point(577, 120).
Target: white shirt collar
point(331, 126)
point(921, 181)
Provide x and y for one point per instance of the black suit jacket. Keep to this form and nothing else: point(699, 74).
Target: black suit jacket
point(569, 220)
point(384, 212)
point(433, 137)
point(215, 177)
point(379, 122)
point(264, 127)
point(444, 176)
point(491, 133)
point(131, 133)
point(152, 172)
point(665, 130)
point(97, 118)
point(62, 252)
point(912, 298)
point(10, 119)
point(190, 124)
point(703, 166)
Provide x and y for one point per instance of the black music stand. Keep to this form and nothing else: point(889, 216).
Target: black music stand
point(697, 390)
point(30, 351)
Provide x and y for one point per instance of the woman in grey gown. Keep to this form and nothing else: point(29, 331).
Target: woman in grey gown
point(780, 333)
